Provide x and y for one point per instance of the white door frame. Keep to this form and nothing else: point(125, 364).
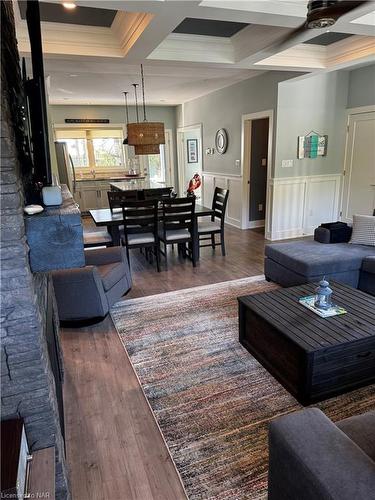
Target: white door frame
point(245, 168)
point(181, 152)
point(350, 112)
point(169, 161)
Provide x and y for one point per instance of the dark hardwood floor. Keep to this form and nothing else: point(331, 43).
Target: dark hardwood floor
point(114, 447)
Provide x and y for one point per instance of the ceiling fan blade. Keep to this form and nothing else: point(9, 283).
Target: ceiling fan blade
point(334, 11)
point(283, 41)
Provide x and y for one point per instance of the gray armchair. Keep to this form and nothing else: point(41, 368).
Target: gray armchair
point(314, 459)
point(89, 292)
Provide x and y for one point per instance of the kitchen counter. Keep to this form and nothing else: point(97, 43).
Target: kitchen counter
point(109, 179)
point(136, 184)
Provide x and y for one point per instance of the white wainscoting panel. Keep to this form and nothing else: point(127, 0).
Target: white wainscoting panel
point(322, 202)
point(234, 184)
point(300, 204)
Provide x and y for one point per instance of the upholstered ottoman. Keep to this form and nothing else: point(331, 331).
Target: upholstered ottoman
point(298, 262)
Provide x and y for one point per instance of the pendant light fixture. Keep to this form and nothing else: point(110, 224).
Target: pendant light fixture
point(145, 136)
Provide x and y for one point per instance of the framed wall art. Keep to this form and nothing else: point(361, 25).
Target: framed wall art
point(192, 150)
point(312, 145)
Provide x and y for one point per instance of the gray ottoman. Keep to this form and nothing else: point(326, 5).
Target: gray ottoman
point(298, 262)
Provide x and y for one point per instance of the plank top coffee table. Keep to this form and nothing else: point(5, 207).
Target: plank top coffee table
point(313, 357)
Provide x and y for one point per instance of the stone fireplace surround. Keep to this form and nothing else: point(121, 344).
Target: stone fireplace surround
point(28, 387)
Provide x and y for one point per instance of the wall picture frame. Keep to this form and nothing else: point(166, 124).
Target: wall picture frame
point(192, 150)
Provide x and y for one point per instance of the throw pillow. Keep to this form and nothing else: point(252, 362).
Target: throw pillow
point(363, 230)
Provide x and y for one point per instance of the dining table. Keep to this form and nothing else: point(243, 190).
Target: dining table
point(112, 220)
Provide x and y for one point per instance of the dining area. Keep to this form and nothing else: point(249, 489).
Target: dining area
point(155, 220)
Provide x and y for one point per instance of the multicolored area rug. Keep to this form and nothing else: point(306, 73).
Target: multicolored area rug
point(211, 399)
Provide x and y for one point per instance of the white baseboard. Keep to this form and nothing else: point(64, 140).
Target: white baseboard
point(256, 223)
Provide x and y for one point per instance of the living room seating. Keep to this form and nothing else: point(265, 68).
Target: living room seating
point(312, 458)
point(89, 292)
point(208, 229)
point(298, 262)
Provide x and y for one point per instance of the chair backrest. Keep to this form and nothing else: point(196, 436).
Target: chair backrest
point(140, 217)
point(157, 193)
point(178, 213)
point(117, 198)
point(219, 203)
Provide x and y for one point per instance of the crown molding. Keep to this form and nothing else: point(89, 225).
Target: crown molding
point(350, 50)
point(127, 27)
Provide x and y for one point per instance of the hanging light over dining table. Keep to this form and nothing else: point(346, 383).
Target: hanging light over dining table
point(145, 136)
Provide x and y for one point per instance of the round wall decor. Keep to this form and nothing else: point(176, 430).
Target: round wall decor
point(221, 141)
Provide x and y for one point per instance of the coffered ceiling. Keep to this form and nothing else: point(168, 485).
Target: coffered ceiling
point(188, 48)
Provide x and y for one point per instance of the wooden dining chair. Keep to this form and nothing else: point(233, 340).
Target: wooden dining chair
point(117, 198)
point(177, 224)
point(208, 229)
point(140, 220)
point(158, 193)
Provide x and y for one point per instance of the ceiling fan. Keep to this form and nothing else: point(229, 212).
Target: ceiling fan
point(323, 14)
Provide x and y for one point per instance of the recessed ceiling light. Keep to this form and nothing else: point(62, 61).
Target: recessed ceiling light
point(73, 76)
point(69, 5)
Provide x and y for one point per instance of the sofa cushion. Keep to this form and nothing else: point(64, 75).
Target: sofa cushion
point(111, 274)
point(310, 258)
point(363, 230)
point(361, 430)
point(368, 265)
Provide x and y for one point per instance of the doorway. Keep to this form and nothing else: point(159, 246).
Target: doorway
point(256, 160)
point(359, 174)
point(189, 152)
point(258, 171)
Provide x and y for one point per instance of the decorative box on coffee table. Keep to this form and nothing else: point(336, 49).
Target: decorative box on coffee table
point(314, 358)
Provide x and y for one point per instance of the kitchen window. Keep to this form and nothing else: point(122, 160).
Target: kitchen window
point(94, 148)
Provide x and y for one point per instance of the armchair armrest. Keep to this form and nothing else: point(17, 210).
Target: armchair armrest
point(310, 458)
point(102, 256)
point(79, 293)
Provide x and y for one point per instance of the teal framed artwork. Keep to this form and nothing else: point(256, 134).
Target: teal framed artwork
point(312, 145)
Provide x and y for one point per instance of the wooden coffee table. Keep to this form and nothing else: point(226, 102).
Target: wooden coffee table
point(313, 357)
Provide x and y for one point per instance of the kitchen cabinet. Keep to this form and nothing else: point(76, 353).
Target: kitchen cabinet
point(92, 194)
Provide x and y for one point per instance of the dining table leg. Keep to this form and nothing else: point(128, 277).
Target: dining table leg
point(114, 231)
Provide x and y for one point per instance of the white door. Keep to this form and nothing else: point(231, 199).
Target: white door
point(359, 180)
point(189, 151)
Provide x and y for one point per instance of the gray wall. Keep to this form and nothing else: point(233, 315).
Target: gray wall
point(315, 103)
point(224, 109)
point(361, 87)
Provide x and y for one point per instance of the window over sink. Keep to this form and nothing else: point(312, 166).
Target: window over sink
point(94, 149)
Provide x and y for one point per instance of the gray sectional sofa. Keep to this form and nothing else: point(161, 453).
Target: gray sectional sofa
point(299, 262)
point(312, 458)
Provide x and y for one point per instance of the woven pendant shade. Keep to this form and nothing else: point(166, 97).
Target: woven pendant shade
point(147, 149)
point(146, 133)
